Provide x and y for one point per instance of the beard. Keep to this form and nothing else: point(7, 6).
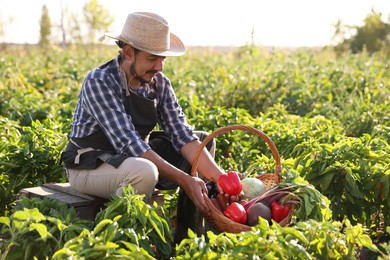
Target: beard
point(139, 78)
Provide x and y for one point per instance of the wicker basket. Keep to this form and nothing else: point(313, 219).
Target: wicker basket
point(216, 218)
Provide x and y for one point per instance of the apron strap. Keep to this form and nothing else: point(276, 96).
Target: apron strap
point(81, 151)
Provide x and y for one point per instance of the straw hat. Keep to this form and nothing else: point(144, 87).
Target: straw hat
point(149, 32)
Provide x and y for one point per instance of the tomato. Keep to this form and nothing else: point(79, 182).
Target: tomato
point(279, 212)
point(230, 183)
point(236, 212)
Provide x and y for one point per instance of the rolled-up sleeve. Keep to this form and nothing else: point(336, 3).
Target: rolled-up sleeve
point(171, 116)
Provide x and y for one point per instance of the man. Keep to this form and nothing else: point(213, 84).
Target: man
point(112, 144)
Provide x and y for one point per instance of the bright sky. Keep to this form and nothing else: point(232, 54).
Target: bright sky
point(209, 22)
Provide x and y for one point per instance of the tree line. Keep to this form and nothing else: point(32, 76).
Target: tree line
point(372, 36)
point(72, 28)
point(96, 19)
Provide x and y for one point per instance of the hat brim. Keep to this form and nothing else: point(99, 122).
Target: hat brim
point(176, 47)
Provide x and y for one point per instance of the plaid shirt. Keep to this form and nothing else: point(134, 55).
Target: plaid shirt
point(101, 107)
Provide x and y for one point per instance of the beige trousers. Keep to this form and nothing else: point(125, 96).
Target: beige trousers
point(107, 180)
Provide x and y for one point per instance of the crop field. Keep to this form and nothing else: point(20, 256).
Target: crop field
point(328, 116)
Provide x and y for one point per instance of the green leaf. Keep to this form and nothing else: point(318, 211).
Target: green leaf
point(386, 186)
point(327, 180)
point(364, 240)
point(351, 185)
point(35, 214)
point(100, 225)
point(41, 229)
point(61, 226)
point(5, 221)
point(296, 234)
point(130, 246)
point(20, 215)
point(307, 204)
point(110, 232)
point(60, 254)
point(155, 221)
point(108, 245)
point(132, 235)
point(308, 162)
point(143, 212)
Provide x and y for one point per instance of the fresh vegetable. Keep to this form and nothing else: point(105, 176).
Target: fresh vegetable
point(258, 210)
point(308, 202)
point(230, 183)
point(252, 187)
point(279, 212)
point(236, 212)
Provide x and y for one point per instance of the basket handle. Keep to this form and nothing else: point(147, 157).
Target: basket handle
point(225, 129)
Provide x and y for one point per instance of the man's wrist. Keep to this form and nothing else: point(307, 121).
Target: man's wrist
point(183, 179)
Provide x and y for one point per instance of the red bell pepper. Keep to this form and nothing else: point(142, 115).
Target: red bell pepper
point(236, 212)
point(230, 183)
point(279, 212)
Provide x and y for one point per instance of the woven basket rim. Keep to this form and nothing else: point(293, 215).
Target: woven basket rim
point(214, 216)
point(225, 129)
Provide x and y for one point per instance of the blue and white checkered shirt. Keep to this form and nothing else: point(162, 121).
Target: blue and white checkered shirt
point(101, 107)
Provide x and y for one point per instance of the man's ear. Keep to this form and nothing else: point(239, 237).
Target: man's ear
point(128, 51)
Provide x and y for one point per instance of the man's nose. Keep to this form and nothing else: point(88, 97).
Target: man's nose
point(159, 65)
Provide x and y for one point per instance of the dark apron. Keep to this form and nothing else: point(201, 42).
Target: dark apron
point(91, 151)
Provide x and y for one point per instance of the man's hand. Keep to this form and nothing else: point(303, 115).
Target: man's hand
point(196, 190)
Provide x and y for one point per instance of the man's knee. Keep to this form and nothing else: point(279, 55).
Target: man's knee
point(142, 175)
point(149, 172)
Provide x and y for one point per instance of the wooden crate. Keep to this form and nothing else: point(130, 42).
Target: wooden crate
point(85, 205)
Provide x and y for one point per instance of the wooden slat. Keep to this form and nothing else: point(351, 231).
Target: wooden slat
point(66, 188)
point(47, 192)
point(85, 205)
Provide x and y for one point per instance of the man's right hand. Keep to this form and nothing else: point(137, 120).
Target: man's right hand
point(196, 190)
